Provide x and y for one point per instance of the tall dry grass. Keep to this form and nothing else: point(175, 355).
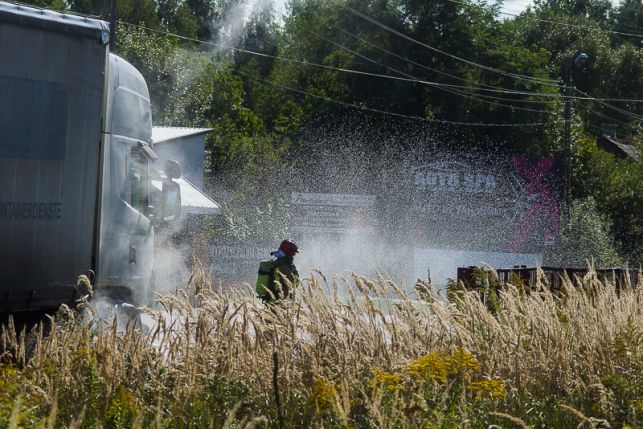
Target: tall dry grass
point(346, 352)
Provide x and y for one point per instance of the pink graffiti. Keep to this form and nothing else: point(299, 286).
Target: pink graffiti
point(544, 205)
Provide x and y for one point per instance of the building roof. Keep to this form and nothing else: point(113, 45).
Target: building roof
point(168, 134)
point(619, 148)
point(193, 200)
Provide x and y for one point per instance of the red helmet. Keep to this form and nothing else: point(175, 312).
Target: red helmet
point(289, 247)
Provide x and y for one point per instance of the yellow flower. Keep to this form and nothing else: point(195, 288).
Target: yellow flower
point(10, 381)
point(493, 388)
point(386, 379)
point(432, 367)
point(323, 394)
point(123, 401)
point(461, 361)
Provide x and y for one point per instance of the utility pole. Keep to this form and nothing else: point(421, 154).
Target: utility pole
point(567, 133)
point(113, 17)
point(573, 62)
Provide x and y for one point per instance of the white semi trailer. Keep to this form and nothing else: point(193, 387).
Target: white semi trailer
point(75, 141)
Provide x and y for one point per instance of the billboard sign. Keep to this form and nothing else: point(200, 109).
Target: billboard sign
point(496, 203)
point(448, 190)
point(326, 213)
point(238, 260)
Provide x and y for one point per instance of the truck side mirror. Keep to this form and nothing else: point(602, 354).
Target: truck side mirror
point(172, 169)
point(170, 200)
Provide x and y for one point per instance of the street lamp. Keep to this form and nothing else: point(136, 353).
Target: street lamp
point(576, 61)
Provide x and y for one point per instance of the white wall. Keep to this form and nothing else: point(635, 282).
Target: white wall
point(189, 152)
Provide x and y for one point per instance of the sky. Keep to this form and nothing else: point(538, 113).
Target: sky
point(515, 6)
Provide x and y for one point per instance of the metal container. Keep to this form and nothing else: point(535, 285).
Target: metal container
point(52, 103)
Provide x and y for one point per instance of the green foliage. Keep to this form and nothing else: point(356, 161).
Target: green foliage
point(9, 390)
point(133, 11)
point(211, 406)
point(122, 409)
point(486, 283)
point(585, 238)
point(264, 220)
point(88, 396)
point(50, 4)
point(178, 17)
point(14, 397)
point(616, 187)
point(177, 77)
point(618, 396)
point(429, 364)
point(322, 31)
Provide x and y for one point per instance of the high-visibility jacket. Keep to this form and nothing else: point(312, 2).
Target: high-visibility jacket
point(280, 279)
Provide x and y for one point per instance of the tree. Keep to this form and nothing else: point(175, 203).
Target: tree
point(628, 18)
point(132, 11)
point(616, 188)
point(585, 238)
point(177, 17)
point(565, 28)
point(333, 33)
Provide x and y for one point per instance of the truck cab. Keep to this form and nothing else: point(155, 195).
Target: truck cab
point(129, 205)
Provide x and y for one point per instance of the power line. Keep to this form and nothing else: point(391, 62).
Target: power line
point(609, 106)
point(588, 97)
point(627, 27)
point(564, 24)
point(623, 100)
point(455, 57)
point(425, 67)
point(477, 96)
point(451, 91)
point(622, 6)
point(384, 112)
point(622, 123)
point(328, 99)
point(523, 77)
point(363, 73)
point(344, 70)
point(508, 11)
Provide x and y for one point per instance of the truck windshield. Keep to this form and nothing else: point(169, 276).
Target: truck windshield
point(139, 181)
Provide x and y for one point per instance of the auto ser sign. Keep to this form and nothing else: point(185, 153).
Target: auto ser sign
point(456, 190)
point(454, 177)
point(499, 203)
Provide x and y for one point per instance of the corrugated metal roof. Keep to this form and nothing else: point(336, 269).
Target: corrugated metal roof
point(166, 134)
point(623, 149)
point(193, 200)
point(20, 14)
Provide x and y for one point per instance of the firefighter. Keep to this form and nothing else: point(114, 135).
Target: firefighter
point(280, 275)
